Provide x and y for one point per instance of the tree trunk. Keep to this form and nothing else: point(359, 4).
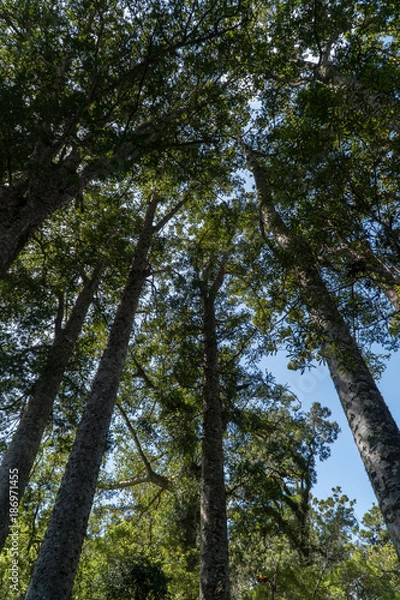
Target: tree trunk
point(188, 525)
point(374, 429)
point(214, 575)
point(55, 569)
point(329, 74)
point(380, 273)
point(25, 444)
point(25, 205)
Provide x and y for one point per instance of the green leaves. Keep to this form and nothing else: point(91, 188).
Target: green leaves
point(135, 577)
point(107, 102)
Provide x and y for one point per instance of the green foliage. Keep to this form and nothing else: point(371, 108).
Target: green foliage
point(136, 578)
point(343, 566)
point(34, 513)
point(111, 101)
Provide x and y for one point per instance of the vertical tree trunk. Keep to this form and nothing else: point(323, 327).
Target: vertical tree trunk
point(55, 569)
point(188, 524)
point(214, 575)
point(25, 444)
point(374, 429)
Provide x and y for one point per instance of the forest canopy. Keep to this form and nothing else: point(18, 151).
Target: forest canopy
point(185, 189)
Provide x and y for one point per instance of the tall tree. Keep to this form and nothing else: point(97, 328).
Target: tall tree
point(58, 559)
point(374, 429)
point(214, 574)
point(91, 89)
point(273, 466)
point(24, 446)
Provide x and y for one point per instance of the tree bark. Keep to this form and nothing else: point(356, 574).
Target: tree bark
point(55, 569)
point(25, 444)
point(380, 273)
point(188, 525)
point(214, 574)
point(374, 429)
point(329, 74)
point(25, 205)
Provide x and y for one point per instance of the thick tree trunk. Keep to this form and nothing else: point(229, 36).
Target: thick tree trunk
point(374, 429)
point(25, 444)
point(55, 569)
point(214, 575)
point(25, 205)
point(392, 296)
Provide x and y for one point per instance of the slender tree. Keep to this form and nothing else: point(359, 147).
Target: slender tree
point(214, 574)
point(24, 446)
point(58, 559)
point(374, 430)
point(273, 464)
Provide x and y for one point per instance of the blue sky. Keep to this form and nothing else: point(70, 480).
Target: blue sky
point(344, 468)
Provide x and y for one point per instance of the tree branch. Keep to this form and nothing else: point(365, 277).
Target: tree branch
point(152, 476)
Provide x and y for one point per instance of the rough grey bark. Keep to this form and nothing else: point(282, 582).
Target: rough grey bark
point(214, 573)
point(374, 429)
point(392, 296)
point(25, 443)
point(55, 569)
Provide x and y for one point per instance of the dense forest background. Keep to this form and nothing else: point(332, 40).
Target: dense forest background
point(187, 188)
